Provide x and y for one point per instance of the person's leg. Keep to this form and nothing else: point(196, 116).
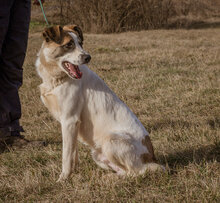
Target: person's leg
point(5, 7)
point(14, 25)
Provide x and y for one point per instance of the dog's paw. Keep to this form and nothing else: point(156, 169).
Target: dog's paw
point(63, 177)
point(154, 167)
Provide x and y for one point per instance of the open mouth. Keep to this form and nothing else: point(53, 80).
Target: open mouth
point(73, 70)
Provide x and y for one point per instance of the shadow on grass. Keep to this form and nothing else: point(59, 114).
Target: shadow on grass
point(208, 153)
point(199, 155)
point(2, 147)
point(214, 123)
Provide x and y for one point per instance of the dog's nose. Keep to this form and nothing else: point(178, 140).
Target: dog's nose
point(86, 58)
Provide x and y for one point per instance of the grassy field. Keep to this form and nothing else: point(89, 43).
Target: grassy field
point(171, 81)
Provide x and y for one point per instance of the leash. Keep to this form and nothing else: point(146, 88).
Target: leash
point(41, 5)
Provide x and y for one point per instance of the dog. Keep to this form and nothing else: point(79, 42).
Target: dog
point(88, 110)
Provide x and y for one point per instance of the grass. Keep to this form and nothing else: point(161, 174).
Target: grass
point(171, 81)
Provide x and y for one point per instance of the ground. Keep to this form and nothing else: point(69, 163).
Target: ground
point(171, 81)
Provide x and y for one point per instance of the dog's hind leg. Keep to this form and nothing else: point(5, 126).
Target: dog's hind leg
point(120, 153)
point(69, 152)
point(100, 159)
point(104, 163)
point(125, 155)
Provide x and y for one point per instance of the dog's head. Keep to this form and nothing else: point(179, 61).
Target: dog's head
point(63, 45)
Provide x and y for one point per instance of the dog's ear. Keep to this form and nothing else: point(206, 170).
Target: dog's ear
point(76, 29)
point(54, 34)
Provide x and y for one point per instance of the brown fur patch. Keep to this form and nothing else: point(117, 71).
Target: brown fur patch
point(61, 50)
point(74, 28)
point(148, 157)
point(69, 28)
point(57, 35)
point(54, 34)
point(66, 39)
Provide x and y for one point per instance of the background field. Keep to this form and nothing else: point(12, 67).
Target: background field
point(171, 81)
point(109, 16)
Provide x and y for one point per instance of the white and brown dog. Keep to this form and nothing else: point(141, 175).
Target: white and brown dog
point(88, 110)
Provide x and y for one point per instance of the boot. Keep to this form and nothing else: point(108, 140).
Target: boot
point(16, 141)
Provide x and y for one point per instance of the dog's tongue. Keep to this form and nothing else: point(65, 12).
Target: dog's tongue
point(74, 71)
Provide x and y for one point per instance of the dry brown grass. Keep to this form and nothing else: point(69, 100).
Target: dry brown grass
point(171, 80)
point(109, 16)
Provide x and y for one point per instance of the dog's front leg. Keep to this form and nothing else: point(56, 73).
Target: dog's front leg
point(69, 136)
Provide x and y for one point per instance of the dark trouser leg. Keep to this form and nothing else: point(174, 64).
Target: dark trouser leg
point(14, 24)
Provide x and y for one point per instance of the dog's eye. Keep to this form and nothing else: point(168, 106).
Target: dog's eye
point(69, 45)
